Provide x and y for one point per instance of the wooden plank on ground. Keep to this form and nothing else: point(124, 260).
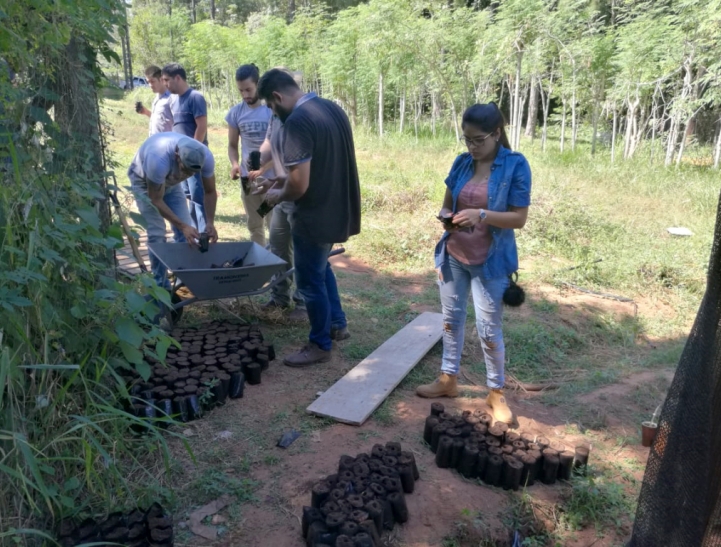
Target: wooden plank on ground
point(353, 398)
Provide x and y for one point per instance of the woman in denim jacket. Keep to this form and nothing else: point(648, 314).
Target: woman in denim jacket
point(487, 197)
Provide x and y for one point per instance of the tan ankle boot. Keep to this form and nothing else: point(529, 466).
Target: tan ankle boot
point(498, 405)
point(446, 385)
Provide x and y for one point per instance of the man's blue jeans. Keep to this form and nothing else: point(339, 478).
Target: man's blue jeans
point(317, 285)
point(455, 281)
point(193, 188)
point(174, 198)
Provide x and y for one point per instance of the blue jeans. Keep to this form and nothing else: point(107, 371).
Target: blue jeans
point(193, 188)
point(281, 245)
point(455, 280)
point(317, 285)
point(174, 198)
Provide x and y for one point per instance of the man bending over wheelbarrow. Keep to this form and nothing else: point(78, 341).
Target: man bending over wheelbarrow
point(160, 165)
point(319, 156)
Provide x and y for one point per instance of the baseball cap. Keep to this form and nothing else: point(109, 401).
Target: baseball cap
point(192, 153)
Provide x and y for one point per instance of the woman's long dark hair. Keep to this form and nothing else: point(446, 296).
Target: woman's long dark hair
point(488, 118)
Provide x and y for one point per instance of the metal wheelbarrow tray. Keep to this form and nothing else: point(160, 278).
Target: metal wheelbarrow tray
point(195, 269)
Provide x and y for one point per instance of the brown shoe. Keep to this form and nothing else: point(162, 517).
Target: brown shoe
point(308, 355)
point(298, 315)
point(498, 405)
point(339, 334)
point(446, 385)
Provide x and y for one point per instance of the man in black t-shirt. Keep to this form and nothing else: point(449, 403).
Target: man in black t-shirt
point(319, 157)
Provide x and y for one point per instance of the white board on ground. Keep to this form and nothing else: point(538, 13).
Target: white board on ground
point(353, 398)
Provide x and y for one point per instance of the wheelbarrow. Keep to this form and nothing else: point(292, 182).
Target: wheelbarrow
point(206, 277)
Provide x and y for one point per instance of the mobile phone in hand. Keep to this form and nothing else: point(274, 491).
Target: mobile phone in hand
point(447, 221)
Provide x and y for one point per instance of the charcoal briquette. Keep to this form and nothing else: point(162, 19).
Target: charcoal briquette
point(494, 467)
point(369, 527)
point(363, 539)
point(398, 505)
point(319, 494)
point(349, 528)
point(409, 457)
point(550, 467)
point(456, 451)
point(334, 520)
point(310, 515)
point(437, 409)
point(443, 454)
point(565, 466)
point(407, 480)
point(344, 541)
point(511, 473)
point(253, 374)
point(467, 465)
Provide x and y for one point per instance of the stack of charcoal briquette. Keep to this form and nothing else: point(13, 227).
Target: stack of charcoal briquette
point(499, 457)
point(366, 496)
point(135, 529)
point(212, 365)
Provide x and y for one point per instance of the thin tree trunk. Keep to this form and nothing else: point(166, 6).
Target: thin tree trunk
point(717, 151)
point(574, 119)
point(532, 109)
point(455, 119)
point(380, 104)
point(681, 148)
point(212, 10)
point(563, 126)
point(595, 128)
point(654, 123)
point(434, 106)
point(517, 101)
point(671, 144)
point(417, 113)
point(613, 135)
point(192, 11)
point(520, 117)
point(403, 111)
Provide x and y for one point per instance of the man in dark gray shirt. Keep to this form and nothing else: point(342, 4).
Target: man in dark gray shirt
point(319, 156)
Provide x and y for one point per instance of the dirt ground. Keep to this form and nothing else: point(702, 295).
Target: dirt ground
point(239, 439)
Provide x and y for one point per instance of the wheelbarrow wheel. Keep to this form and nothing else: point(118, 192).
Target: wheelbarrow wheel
point(175, 313)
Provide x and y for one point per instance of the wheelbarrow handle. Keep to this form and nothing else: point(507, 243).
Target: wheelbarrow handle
point(338, 251)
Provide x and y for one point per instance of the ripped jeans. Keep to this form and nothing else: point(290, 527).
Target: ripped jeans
point(455, 280)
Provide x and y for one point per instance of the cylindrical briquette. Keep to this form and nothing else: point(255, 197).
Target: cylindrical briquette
point(494, 466)
point(375, 512)
point(358, 516)
point(388, 520)
point(369, 527)
point(443, 454)
point(512, 471)
point(407, 480)
point(438, 431)
point(407, 457)
point(496, 432)
point(431, 422)
point(393, 448)
point(363, 539)
point(310, 515)
point(512, 437)
point(580, 458)
point(319, 494)
point(349, 528)
point(334, 521)
point(481, 462)
point(565, 465)
point(237, 384)
point(398, 504)
point(456, 451)
point(437, 409)
point(467, 465)
point(315, 529)
point(543, 443)
point(253, 375)
point(550, 468)
point(528, 476)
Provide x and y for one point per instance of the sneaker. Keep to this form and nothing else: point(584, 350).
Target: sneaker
point(339, 334)
point(310, 354)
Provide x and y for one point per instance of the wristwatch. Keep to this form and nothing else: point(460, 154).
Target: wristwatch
point(482, 214)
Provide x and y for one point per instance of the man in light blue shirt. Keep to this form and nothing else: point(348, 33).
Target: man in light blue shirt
point(159, 167)
point(160, 114)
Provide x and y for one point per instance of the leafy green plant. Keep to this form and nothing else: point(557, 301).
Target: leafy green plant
point(595, 501)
